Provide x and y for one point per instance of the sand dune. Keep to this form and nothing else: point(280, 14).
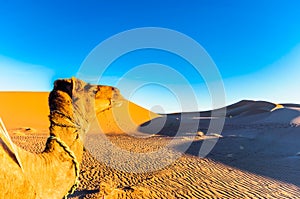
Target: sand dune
point(124, 118)
point(24, 109)
point(257, 155)
point(21, 110)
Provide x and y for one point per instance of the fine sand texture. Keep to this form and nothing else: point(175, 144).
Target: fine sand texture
point(256, 156)
point(187, 177)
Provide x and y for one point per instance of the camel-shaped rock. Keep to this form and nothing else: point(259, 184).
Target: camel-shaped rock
point(54, 172)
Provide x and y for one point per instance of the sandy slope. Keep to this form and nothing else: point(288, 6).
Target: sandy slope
point(24, 109)
point(125, 117)
point(256, 157)
point(20, 110)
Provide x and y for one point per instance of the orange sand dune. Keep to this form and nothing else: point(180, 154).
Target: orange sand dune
point(124, 118)
point(30, 109)
point(24, 109)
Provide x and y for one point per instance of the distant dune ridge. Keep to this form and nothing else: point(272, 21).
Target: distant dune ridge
point(30, 109)
point(257, 155)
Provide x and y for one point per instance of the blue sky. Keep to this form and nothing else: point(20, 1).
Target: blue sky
point(255, 45)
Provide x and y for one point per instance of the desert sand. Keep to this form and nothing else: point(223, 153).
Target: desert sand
point(257, 155)
point(24, 109)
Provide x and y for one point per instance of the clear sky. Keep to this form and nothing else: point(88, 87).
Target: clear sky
point(255, 45)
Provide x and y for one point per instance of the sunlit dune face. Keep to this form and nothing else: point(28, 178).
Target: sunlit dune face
point(116, 114)
point(24, 109)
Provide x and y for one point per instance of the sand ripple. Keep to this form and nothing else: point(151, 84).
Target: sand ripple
point(188, 177)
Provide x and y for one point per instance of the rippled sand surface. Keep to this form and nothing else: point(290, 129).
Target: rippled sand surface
point(187, 177)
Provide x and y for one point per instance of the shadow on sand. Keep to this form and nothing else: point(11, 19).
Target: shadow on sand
point(256, 149)
point(82, 194)
point(178, 124)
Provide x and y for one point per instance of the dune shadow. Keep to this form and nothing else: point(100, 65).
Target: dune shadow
point(259, 141)
point(82, 193)
point(166, 125)
point(267, 157)
point(177, 124)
